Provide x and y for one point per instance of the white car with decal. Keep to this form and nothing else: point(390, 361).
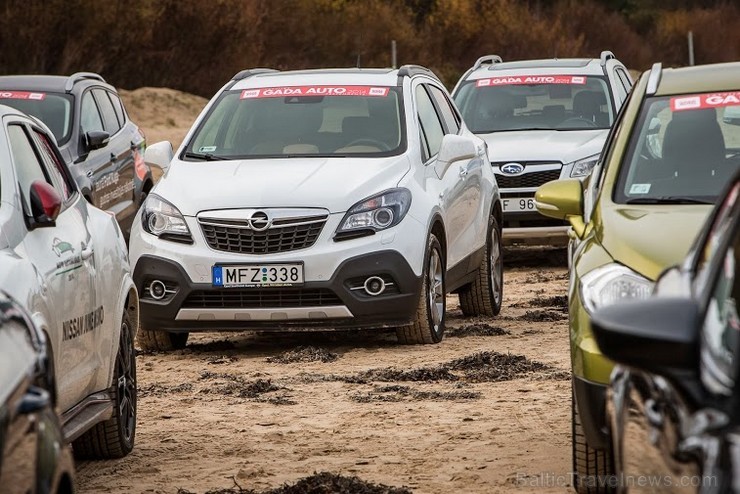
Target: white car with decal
point(543, 120)
point(330, 199)
point(66, 262)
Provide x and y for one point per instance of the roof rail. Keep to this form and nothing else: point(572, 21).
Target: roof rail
point(79, 76)
point(606, 55)
point(487, 60)
point(250, 72)
point(411, 70)
point(654, 78)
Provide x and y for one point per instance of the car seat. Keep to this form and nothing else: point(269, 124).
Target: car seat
point(693, 144)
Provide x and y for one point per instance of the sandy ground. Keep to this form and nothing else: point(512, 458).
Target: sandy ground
point(487, 410)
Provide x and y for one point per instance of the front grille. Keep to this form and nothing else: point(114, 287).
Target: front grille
point(533, 179)
point(260, 298)
point(282, 237)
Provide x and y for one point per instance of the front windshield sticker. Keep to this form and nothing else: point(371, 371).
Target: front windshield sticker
point(702, 101)
point(22, 95)
point(531, 79)
point(640, 189)
point(207, 149)
point(278, 92)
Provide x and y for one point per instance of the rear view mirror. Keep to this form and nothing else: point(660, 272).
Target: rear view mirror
point(659, 335)
point(96, 139)
point(45, 204)
point(454, 148)
point(654, 127)
point(732, 115)
point(159, 155)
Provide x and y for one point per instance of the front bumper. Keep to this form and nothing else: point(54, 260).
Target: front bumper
point(316, 304)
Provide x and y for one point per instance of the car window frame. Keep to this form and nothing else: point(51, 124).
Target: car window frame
point(416, 87)
point(118, 109)
point(87, 91)
point(63, 170)
point(96, 90)
point(438, 106)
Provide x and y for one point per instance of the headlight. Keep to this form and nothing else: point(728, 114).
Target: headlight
point(162, 219)
point(374, 214)
point(612, 284)
point(583, 167)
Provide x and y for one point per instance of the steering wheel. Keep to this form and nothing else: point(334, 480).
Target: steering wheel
point(370, 142)
point(576, 120)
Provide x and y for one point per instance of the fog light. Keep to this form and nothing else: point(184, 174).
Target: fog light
point(374, 285)
point(157, 290)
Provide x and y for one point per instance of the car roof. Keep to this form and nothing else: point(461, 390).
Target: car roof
point(699, 79)
point(349, 76)
point(552, 66)
point(50, 83)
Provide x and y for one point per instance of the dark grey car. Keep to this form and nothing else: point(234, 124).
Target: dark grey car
point(102, 146)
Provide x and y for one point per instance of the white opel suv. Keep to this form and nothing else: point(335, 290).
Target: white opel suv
point(343, 198)
point(543, 120)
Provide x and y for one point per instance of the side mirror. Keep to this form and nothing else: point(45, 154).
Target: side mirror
point(45, 204)
point(659, 335)
point(454, 148)
point(159, 155)
point(563, 200)
point(96, 139)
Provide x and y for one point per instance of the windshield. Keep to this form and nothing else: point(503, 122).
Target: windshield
point(535, 103)
point(683, 149)
point(301, 121)
point(54, 109)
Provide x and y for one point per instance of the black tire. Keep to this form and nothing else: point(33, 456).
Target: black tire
point(484, 296)
point(160, 341)
point(429, 324)
point(114, 438)
point(592, 468)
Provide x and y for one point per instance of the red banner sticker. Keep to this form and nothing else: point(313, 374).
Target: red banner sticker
point(22, 95)
point(702, 101)
point(279, 92)
point(531, 79)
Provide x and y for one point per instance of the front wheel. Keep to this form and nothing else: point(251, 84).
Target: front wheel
point(592, 468)
point(484, 296)
point(114, 438)
point(429, 324)
point(160, 341)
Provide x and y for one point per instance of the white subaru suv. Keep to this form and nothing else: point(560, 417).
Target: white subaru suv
point(335, 198)
point(66, 262)
point(543, 120)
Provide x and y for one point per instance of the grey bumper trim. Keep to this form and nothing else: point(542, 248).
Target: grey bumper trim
point(278, 314)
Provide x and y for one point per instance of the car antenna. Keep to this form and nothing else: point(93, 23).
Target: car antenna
point(359, 55)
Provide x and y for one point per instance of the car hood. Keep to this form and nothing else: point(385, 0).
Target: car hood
point(649, 239)
point(332, 183)
point(544, 145)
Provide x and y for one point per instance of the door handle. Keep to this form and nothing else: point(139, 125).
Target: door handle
point(463, 172)
point(113, 157)
point(87, 252)
point(89, 174)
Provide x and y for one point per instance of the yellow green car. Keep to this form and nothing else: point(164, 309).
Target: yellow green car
point(672, 149)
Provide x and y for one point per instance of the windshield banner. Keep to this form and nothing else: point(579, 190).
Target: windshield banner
point(279, 92)
point(531, 79)
point(21, 95)
point(702, 101)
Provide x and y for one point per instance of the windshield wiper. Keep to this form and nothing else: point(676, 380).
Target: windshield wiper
point(204, 157)
point(667, 200)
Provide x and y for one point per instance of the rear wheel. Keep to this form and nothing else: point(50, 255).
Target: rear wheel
point(592, 468)
point(114, 438)
point(483, 297)
point(160, 341)
point(429, 323)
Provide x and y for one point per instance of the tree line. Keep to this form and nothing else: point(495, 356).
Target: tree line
point(196, 45)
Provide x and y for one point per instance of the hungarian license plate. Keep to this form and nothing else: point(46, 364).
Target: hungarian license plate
point(257, 275)
point(519, 204)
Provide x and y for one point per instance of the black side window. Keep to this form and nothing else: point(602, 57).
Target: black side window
point(28, 168)
point(445, 107)
point(89, 115)
point(118, 107)
point(429, 120)
point(719, 335)
point(53, 164)
point(110, 120)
